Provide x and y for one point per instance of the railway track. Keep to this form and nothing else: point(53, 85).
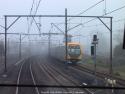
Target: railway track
point(102, 75)
point(72, 81)
point(34, 82)
point(22, 78)
point(27, 70)
point(53, 75)
point(27, 75)
point(82, 71)
point(18, 78)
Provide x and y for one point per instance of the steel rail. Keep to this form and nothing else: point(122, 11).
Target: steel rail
point(34, 82)
point(18, 78)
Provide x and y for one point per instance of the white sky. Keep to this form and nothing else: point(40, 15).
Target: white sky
point(57, 6)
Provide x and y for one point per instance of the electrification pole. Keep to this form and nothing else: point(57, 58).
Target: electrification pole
point(111, 71)
point(49, 37)
point(20, 48)
point(124, 38)
point(5, 53)
point(66, 34)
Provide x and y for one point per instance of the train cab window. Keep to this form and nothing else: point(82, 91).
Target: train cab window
point(74, 50)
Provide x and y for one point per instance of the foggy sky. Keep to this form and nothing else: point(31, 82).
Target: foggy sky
point(10, 7)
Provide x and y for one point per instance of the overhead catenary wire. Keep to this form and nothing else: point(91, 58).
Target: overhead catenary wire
point(35, 14)
point(102, 15)
point(100, 32)
point(107, 13)
point(2, 26)
point(40, 26)
point(57, 28)
point(32, 7)
point(84, 12)
point(105, 7)
point(36, 11)
point(36, 24)
point(115, 21)
point(91, 7)
point(88, 8)
point(115, 10)
point(30, 14)
point(38, 6)
point(119, 20)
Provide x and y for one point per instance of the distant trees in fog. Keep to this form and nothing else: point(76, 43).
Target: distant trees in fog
point(118, 52)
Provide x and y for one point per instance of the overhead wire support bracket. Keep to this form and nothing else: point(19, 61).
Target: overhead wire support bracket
point(104, 24)
point(36, 23)
point(13, 22)
point(57, 27)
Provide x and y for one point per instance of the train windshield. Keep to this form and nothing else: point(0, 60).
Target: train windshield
point(74, 50)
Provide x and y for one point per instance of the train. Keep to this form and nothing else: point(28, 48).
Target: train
point(74, 53)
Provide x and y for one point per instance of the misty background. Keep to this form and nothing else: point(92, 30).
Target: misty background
point(83, 33)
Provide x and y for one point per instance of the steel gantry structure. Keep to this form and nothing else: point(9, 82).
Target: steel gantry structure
point(66, 31)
